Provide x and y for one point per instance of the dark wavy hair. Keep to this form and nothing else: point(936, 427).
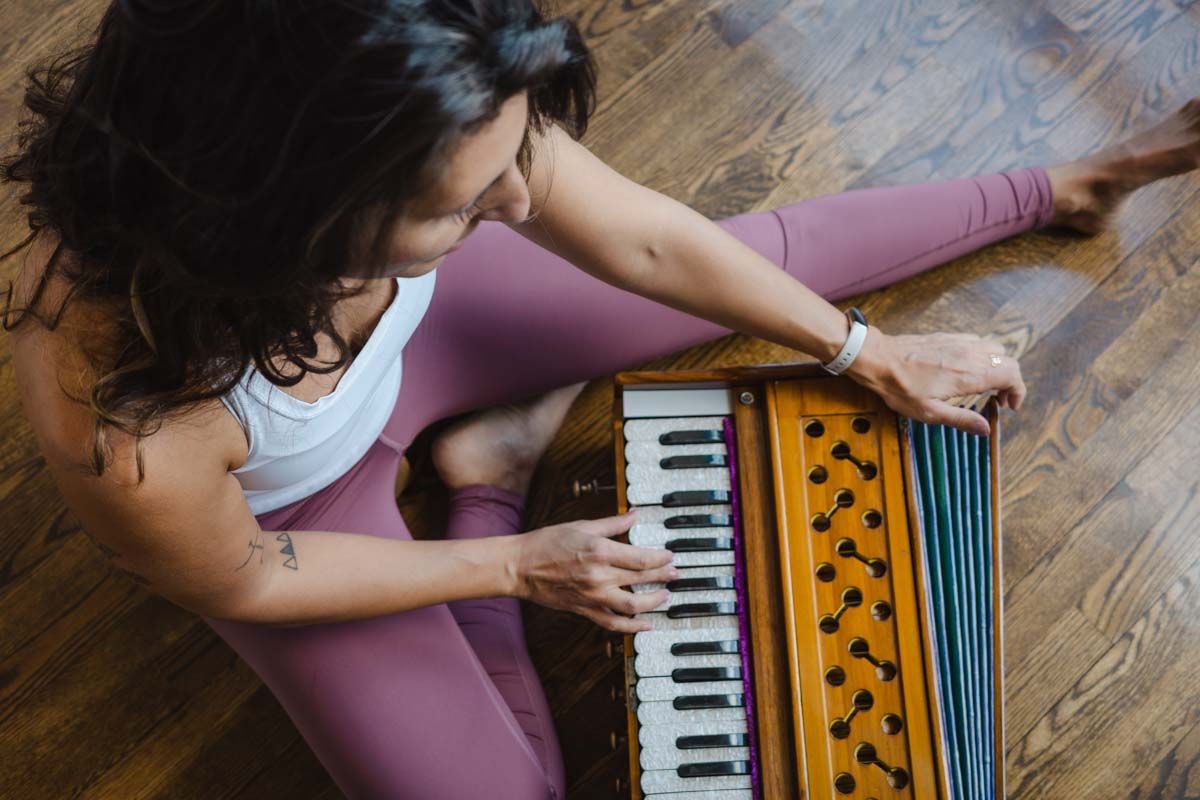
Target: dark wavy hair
point(212, 164)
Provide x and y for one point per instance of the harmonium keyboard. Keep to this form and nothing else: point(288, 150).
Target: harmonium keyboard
point(836, 628)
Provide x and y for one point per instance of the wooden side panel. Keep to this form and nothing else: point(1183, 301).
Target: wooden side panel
point(862, 535)
point(760, 547)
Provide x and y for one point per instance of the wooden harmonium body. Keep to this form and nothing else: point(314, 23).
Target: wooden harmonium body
point(836, 629)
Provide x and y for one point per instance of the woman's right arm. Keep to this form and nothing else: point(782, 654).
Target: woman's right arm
point(189, 535)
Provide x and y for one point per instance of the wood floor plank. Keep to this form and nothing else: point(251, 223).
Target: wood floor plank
point(1177, 774)
point(1056, 496)
point(1131, 695)
point(1129, 548)
point(732, 106)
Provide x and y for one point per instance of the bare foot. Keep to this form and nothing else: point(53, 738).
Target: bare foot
point(1089, 192)
point(501, 446)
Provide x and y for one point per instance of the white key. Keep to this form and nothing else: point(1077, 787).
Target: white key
point(654, 516)
point(656, 536)
point(696, 572)
point(666, 735)
point(651, 689)
point(665, 713)
point(648, 430)
point(659, 621)
point(652, 453)
point(728, 794)
point(657, 781)
point(648, 483)
point(660, 641)
point(654, 758)
point(693, 598)
point(657, 665)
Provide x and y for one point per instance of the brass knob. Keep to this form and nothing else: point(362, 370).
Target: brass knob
point(580, 488)
point(615, 740)
point(612, 648)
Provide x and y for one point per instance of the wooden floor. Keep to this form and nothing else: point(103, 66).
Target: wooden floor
point(732, 106)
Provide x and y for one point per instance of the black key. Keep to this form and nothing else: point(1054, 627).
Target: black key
point(692, 437)
point(713, 769)
point(702, 674)
point(699, 545)
point(701, 497)
point(701, 610)
point(693, 462)
point(716, 740)
point(698, 521)
point(729, 646)
point(700, 584)
point(701, 701)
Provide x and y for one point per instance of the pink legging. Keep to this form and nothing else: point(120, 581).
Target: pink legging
point(443, 702)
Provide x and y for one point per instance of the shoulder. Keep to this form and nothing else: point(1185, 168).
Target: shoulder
point(50, 363)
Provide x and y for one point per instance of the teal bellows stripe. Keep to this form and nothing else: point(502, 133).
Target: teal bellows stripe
point(952, 485)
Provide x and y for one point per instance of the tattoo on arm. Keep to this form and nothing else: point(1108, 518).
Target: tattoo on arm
point(253, 545)
point(288, 550)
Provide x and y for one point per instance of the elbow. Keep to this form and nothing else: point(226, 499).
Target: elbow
point(247, 603)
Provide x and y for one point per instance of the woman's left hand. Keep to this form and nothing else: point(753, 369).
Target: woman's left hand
point(916, 374)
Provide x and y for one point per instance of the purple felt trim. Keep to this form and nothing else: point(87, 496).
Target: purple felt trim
point(739, 580)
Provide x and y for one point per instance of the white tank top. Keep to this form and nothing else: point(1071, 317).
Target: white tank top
point(297, 447)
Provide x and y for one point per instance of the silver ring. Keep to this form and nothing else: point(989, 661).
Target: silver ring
point(996, 360)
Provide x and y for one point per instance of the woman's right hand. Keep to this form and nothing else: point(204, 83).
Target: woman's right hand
point(576, 566)
point(916, 374)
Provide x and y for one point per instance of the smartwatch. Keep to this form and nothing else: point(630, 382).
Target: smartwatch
point(853, 345)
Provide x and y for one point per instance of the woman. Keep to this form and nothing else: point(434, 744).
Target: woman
point(239, 209)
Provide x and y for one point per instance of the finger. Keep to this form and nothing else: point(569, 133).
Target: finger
point(614, 622)
point(610, 526)
point(1017, 394)
point(1014, 384)
point(628, 556)
point(626, 603)
point(962, 418)
point(1003, 374)
point(626, 577)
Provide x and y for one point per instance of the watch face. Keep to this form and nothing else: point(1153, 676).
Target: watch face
point(857, 316)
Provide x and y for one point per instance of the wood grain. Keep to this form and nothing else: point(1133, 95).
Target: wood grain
point(735, 106)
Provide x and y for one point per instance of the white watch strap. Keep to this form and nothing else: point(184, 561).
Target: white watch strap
point(850, 350)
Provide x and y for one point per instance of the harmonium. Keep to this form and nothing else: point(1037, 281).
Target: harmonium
point(836, 628)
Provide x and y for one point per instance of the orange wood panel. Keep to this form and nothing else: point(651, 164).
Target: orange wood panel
point(875, 566)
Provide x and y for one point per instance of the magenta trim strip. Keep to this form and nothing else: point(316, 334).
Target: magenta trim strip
point(739, 578)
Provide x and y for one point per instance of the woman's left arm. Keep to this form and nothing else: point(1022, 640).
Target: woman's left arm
point(647, 243)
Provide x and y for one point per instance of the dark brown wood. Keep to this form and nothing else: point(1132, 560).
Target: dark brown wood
point(722, 376)
point(736, 106)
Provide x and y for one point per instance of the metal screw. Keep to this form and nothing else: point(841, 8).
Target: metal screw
point(746, 398)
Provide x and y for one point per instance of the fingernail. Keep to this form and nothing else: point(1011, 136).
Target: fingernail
point(673, 573)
